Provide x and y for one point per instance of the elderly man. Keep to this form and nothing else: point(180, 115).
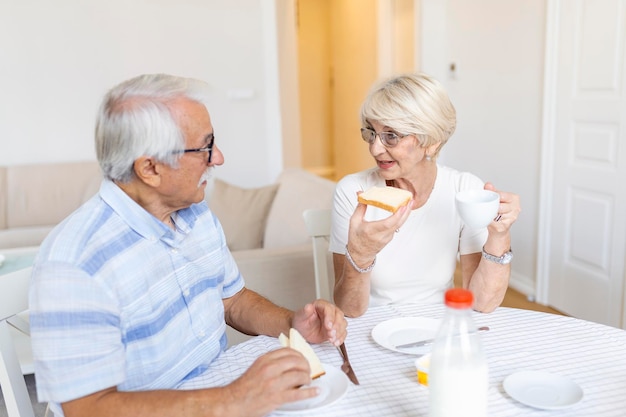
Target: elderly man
point(131, 294)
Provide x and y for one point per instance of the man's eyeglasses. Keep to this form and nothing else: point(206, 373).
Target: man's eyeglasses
point(388, 139)
point(208, 148)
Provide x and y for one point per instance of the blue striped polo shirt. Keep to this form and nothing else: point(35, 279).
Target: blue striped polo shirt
point(120, 299)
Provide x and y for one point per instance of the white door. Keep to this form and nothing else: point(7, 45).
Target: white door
point(583, 235)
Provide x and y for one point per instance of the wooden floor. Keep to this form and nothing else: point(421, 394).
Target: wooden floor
point(515, 299)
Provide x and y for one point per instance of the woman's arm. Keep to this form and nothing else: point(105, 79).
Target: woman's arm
point(489, 280)
point(352, 289)
point(365, 240)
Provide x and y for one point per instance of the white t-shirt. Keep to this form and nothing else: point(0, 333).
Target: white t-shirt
point(418, 265)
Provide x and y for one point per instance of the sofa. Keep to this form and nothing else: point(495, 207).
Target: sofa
point(34, 198)
point(263, 226)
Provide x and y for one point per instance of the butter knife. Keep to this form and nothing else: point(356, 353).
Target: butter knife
point(429, 341)
point(346, 367)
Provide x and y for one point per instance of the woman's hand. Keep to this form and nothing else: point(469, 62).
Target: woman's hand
point(486, 279)
point(507, 212)
point(366, 239)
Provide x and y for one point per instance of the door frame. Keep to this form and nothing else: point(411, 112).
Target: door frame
point(544, 237)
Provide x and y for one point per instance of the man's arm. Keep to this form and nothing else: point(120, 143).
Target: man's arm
point(272, 380)
point(318, 321)
point(253, 314)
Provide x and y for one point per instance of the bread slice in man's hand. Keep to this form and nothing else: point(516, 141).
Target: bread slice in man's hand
point(297, 342)
point(386, 198)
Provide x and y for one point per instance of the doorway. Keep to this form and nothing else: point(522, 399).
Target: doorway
point(581, 269)
point(341, 53)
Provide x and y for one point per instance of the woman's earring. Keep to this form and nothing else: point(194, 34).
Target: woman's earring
point(428, 158)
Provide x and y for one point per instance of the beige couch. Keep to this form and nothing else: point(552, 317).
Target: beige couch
point(264, 226)
point(34, 198)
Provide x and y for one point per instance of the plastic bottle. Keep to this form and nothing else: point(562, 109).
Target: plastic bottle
point(458, 375)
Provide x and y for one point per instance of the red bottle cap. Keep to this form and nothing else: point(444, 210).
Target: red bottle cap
point(459, 298)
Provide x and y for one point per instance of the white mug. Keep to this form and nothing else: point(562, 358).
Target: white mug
point(477, 208)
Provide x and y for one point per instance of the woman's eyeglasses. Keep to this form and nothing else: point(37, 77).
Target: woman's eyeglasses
point(388, 139)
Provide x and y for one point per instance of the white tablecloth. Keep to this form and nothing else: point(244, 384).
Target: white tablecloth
point(592, 355)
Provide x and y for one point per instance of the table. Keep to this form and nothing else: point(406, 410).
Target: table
point(591, 354)
point(17, 259)
point(20, 261)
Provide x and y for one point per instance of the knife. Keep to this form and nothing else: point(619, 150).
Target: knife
point(429, 341)
point(346, 367)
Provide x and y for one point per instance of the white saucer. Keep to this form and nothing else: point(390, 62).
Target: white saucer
point(333, 386)
point(398, 331)
point(542, 389)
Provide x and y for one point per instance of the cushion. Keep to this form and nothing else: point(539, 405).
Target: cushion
point(242, 213)
point(92, 188)
point(299, 190)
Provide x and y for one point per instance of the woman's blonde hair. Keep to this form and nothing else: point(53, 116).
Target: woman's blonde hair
point(412, 104)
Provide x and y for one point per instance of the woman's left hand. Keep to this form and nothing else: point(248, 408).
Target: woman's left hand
point(507, 212)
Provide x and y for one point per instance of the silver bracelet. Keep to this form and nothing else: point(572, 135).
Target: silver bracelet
point(502, 260)
point(355, 266)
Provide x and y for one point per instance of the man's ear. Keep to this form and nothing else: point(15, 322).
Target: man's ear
point(147, 171)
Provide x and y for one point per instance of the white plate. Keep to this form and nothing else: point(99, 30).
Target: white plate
point(1, 259)
point(398, 331)
point(333, 386)
point(543, 390)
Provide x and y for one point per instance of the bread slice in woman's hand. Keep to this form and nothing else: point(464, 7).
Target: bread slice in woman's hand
point(297, 342)
point(386, 198)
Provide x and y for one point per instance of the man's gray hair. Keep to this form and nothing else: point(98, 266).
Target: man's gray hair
point(136, 119)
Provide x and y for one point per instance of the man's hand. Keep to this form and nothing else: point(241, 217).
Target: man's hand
point(273, 379)
point(321, 321)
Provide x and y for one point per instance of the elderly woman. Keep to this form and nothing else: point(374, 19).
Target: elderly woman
point(410, 256)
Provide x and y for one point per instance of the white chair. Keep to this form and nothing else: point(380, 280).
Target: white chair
point(14, 300)
point(318, 226)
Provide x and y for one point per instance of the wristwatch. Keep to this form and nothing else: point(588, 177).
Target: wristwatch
point(502, 260)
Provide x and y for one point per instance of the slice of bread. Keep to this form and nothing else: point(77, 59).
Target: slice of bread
point(386, 198)
point(297, 342)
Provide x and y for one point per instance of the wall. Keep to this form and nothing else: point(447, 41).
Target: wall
point(59, 58)
point(497, 47)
